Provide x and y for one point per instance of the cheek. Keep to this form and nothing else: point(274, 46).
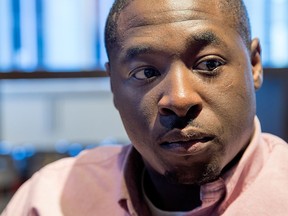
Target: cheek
point(138, 112)
point(244, 97)
point(236, 94)
point(149, 108)
point(231, 103)
point(238, 112)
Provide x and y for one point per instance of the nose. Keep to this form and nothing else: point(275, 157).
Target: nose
point(180, 95)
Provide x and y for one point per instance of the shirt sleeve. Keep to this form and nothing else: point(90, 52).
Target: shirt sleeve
point(19, 204)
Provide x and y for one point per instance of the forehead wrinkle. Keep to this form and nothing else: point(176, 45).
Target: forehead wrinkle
point(148, 18)
point(200, 39)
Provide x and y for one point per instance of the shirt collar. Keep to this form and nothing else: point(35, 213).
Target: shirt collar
point(242, 174)
point(239, 177)
point(131, 197)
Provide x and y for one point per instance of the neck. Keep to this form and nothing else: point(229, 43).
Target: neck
point(168, 196)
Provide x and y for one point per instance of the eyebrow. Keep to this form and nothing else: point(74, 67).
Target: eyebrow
point(205, 38)
point(200, 39)
point(133, 52)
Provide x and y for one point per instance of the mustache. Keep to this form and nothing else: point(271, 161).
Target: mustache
point(173, 121)
point(176, 122)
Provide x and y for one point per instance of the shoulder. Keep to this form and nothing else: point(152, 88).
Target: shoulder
point(275, 158)
point(98, 163)
point(97, 156)
point(273, 140)
point(277, 147)
point(71, 181)
point(266, 194)
point(273, 177)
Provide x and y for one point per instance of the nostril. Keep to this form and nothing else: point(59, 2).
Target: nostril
point(171, 119)
point(194, 111)
point(191, 113)
point(166, 111)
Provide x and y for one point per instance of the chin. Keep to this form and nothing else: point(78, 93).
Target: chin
point(205, 175)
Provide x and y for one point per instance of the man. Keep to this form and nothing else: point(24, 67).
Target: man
point(183, 75)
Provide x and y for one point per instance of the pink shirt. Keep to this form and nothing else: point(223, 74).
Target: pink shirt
point(106, 181)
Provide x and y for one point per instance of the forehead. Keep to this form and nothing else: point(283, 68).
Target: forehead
point(154, 12)
point(161, 22)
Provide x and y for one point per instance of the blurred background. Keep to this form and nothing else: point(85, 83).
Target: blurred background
point(55, 99)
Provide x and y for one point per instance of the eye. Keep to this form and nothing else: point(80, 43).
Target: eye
point(146, 73)
point(209, 66)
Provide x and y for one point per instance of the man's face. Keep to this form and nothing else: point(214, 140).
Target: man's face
point(182, 81)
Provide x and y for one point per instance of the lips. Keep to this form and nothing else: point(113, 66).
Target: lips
point(186, 141)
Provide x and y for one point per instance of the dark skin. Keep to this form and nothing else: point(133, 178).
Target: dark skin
point(184, 84)
point(158, 189)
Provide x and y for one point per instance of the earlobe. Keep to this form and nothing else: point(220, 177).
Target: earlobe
point(107, 67)
point(108, 71)
point(257, 68)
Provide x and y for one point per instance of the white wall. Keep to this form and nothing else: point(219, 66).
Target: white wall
point(43, 112)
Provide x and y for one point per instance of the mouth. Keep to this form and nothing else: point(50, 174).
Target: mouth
point(186, 143)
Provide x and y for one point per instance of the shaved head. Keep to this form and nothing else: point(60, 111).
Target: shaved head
point(234, 10)
point(111, 24)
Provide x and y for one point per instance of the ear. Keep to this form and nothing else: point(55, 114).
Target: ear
point(108, 71)
point(257, 68)
point(107, 67)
